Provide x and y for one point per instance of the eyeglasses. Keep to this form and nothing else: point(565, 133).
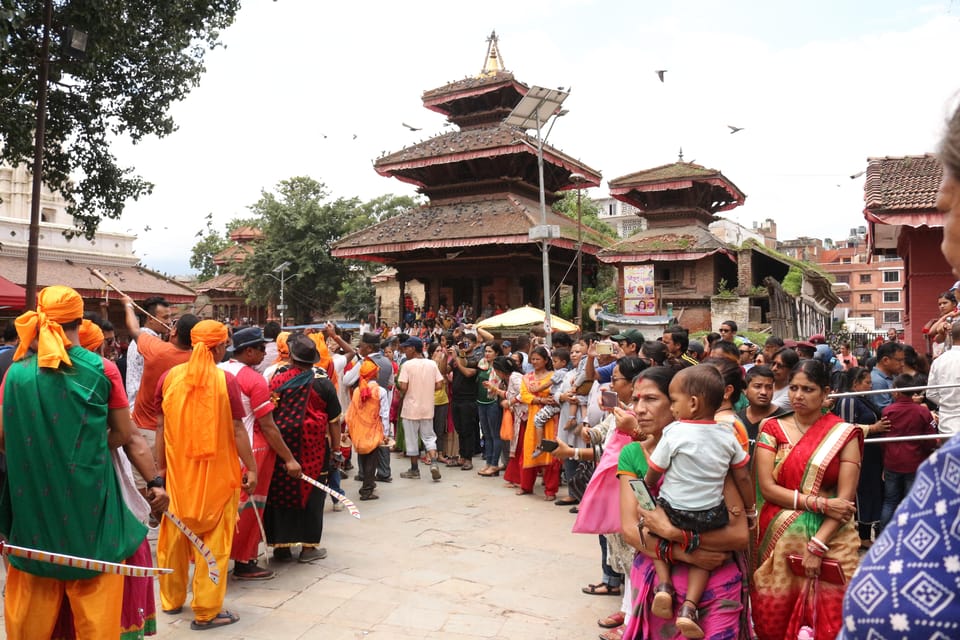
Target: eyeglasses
point(722, 330)
point(776, 365)
point(615, 378)
point(745, 351)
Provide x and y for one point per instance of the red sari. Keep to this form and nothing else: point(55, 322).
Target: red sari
point(812, 466)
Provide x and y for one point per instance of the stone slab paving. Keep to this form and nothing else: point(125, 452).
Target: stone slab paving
point(459, 559)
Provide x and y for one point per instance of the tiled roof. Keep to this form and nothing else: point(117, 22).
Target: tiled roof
point(684, 239)
point(906, 182)
point(675, 171)
point(245, 233)
point(229, 282)
point(469, 83)
point(137, 282)
point(495, 140)
point(476, 220)
point(233, 253)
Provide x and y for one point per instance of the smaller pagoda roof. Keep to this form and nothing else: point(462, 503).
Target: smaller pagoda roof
point(434, 99)
point(233, 253)
point(473, 144)
point(245, 234)
point(676, 177)
point(902, 183)
point(687, 242)
point(225, 282)
point(498, 219)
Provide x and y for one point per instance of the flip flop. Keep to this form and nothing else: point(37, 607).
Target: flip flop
point(601, 589)
point(612, 621)
point(229, 617)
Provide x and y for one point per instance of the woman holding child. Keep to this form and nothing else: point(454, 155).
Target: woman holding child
point(523, 468)
point(807, 465)
point(722, 611)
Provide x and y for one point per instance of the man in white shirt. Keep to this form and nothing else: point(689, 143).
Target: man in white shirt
point(946, 370)
point(419, 379)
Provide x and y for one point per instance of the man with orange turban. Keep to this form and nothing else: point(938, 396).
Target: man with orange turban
point(200, 434)
point(368, 411)
point(61, 412)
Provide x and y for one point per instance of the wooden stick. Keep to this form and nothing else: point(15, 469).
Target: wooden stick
point(106, 281)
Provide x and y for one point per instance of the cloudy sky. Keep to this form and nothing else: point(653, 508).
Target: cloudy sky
point(818, 87)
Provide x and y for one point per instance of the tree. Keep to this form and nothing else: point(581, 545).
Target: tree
point(141, 57)
point(203, 253)
point(589, 212)
point(356, 297)
point(380, 209)
point(299, 226)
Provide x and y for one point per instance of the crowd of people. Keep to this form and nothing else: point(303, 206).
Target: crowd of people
point(733, 497)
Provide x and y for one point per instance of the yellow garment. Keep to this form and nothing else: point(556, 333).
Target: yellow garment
point(368, 371)
point(363, 416)
point(283, 351)
point(175, 551)
point(32, 605)
point(549, 429)
point(198, 487)
point(91, 336)
point(198, 391)
point(55, 305)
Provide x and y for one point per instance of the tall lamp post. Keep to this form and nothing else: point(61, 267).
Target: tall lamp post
point(281, 268)
point(578, 179)
point(537, 107)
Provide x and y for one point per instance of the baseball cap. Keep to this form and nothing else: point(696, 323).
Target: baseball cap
point(414, 342)
point(630, 335)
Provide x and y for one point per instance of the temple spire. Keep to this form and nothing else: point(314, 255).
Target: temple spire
point(680, 159)
point(493, 63)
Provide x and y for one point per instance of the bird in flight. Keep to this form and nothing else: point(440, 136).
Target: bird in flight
point(411, 127)
point(734, 129)
point(660, 73)
point(354, 136)
point(146, 228)
point(199, 233)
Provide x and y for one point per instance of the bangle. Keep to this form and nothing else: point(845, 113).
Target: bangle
point(796, 495)
point(813, 549)
point(806, 502)
point(576, 454)
point(819, 543)
point(130, 305)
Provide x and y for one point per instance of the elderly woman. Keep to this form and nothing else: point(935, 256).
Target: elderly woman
point(723, 611)
point(506, 387)
point(922, 568)
point(807, 466)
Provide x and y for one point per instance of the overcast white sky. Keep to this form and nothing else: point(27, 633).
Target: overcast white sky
point(818, 86)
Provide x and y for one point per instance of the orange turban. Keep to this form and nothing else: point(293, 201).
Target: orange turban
point(283, 351)
point(91, 336)
point(326, 361)
point(200, 408)
point(368, 371)
point(55, 305)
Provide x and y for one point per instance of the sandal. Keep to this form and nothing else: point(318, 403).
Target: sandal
point(566, 502)
point(489, 472)
point(612, 634)
point(612, 621)
point(225, 616)
point(173, 612)
point(687, 619)
point(601, 589)
point(467, 466)
point(662, 606)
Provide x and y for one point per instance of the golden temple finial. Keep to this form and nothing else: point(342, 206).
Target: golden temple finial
point(493, 63)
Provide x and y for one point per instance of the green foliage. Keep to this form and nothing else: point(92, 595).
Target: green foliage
point(356, 297)
point(724, 290)
point(202, 254)
point(793, 281)
point(379, 209)
point(142, 56)
point(589, 212)
point(759, 291)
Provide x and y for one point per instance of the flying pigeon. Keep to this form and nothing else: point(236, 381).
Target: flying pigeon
point(354, 136)
point(660, 73)
point(199, 233)
point(734, 129)
point(146, 228)
point(412, 128)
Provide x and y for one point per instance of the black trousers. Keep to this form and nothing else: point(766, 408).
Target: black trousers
point(367, 466)
point(466, 420)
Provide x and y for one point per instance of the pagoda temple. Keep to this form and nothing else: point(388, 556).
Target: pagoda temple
point(470, 243)
point(688, 262)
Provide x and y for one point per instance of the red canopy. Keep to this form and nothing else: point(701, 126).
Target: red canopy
point(12, 295)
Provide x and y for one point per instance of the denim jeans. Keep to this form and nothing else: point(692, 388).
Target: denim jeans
point(895, 488)
point(490, 427)
point(610, 577)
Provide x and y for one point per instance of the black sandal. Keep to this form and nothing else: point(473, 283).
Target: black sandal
point(601, 589)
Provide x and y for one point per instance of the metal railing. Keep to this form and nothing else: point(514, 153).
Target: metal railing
point(887, 440)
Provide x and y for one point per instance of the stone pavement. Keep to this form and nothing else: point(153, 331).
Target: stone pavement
point(460, 559)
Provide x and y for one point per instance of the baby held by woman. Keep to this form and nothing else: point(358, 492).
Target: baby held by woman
point(693, 457)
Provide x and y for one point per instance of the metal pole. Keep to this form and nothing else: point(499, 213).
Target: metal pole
point(544, 247)
point(33, 246)
point(851, 394)
point(283, 307)
point(882, 440)
point(578, 299)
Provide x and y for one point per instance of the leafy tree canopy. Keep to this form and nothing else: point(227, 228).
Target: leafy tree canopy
point(141, 57)
point(203, 253)
point(589, 212)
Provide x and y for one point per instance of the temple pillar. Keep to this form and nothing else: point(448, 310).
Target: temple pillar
point(475, 300)
point(402, 307)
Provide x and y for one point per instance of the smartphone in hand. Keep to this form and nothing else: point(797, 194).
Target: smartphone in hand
point(609, 399)
point(548, 445)
point(642, 494)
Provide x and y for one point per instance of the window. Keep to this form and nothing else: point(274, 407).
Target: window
point(891, 296)
point(865, 278)
point(846, 260)
point(886, 257)
point(843, 278)
point(891, 276)
point(891, 317)
point(844, 298)
point(866, 298)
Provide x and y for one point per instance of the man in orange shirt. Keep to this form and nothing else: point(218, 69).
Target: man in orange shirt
point(158, 358)
point(200, 434)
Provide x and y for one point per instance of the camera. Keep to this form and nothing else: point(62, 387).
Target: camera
point(465, 345)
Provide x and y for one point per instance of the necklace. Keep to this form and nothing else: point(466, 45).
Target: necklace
point(796, 423)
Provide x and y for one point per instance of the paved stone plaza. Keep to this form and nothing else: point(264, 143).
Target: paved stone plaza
point(460, 559)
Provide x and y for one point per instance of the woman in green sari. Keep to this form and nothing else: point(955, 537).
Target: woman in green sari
point(808, 466)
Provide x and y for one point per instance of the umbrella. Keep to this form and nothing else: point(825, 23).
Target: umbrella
point(528, 316)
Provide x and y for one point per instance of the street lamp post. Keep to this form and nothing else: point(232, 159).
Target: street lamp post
point(578, 179)
point(537, 107)
point(281, 268)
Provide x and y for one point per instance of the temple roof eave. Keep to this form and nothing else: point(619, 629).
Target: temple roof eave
point(377, 253)
point(624, 191)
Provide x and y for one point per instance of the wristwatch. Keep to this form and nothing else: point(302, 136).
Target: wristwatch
point(157, 483)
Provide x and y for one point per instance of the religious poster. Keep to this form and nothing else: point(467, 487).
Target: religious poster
point(639, 298)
